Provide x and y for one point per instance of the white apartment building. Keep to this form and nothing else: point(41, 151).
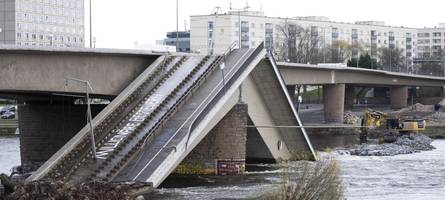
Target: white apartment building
point(42, 22)
point(430, 42)
point(215, 32)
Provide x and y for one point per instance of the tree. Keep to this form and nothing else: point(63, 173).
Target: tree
point(431, 69)
point(365, 61)
point(392, 59)
point(298, 44)
point(339, 51)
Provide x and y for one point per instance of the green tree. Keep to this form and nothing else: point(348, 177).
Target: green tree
point(365, 61)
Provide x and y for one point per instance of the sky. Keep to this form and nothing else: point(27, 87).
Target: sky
point(121, 23)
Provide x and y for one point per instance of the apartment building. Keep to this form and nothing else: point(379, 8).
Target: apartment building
point(431, 42)
point(214, 33)
point(58, 23)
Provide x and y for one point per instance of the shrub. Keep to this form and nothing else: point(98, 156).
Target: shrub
point(309, 181)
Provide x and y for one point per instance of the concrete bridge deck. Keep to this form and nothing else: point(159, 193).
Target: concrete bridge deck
point(38, 71)
point(305, 74)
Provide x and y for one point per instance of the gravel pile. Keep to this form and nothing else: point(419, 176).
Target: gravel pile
point(416, 108)
point(350, 118)
point(404, 145)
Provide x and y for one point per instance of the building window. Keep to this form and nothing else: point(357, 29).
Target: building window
point(269, 36)
point(210, 44)
point(245, 34)
point(423, 35)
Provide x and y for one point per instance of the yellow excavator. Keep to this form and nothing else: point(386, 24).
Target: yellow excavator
point(395, 125)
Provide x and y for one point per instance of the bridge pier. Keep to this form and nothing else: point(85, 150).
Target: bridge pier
point(334, 102)
point(349, 97)
point(46, 126)
point(223, 150)
point(399, 97)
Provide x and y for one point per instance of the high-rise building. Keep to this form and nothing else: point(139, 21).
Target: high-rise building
point(58, 23)
point(431, 42)
point(183, 40)
point(214, 33)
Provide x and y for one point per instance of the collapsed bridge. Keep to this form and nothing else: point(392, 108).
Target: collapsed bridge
point(158, 119)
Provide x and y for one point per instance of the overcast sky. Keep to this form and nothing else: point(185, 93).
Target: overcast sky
point(120, 23)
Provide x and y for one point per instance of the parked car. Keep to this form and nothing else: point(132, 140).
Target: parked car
point(8, 115)
point(5, 109)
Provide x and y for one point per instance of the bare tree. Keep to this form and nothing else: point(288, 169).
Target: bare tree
point(433, 64)
point(338, 52)
point(298, 44)
point(392, 59)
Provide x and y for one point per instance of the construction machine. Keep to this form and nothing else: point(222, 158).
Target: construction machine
point(396, 126)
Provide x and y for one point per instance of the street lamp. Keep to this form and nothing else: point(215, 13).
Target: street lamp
point(177, 25)
point(222, 67)
point(91, 26)
point(90, 118)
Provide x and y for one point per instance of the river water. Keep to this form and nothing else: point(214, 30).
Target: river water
point(419, 176)
point(9, 153)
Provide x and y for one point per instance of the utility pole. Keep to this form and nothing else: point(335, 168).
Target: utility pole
point(390, 59)
point(177, 25)
point(239, 23)
point(91, 26)
point(324, 44)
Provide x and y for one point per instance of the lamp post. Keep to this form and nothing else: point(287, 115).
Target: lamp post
point(91, 25)
point(177, 25)
point(222, 67)
point(90, 118)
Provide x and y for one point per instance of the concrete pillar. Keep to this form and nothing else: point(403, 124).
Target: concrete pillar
point(223, 150)
point(291, 89)
point(349, 97)
point(334, 102)
point(399, 97)
point(45, 128)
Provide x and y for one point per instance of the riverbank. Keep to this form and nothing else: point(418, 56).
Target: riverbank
point(8, 127)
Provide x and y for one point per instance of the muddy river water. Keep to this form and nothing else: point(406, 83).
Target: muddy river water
point(414, 176)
